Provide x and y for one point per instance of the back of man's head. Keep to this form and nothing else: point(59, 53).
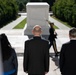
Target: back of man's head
point(72, 33)
point(37, 30)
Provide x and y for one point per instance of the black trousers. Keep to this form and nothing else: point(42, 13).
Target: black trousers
point(53, 43)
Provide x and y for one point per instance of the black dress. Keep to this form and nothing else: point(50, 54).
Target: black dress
point(52, 41)
point(52, 36)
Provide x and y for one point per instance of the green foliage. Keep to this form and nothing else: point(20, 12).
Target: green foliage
point(74, 15)
point(22, 4)
point(65, 10)
point(8, 11)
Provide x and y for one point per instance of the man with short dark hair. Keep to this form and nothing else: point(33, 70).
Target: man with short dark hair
point(67, 60)
point(36, 54)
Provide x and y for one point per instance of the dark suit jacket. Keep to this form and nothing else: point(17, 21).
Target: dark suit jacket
point(36, 56)
point(68, 58)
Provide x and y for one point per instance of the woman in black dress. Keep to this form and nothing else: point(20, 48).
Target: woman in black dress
point(52, 37)
point(9, 58)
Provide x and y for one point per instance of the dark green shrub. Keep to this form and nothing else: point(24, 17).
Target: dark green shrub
point(8, 11)
point(65, 10)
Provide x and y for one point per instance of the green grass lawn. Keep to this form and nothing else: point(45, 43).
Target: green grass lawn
point(65, 23)
point(21, 24)
point(56, 27)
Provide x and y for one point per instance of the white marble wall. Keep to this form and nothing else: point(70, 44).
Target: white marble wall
point(36, 13)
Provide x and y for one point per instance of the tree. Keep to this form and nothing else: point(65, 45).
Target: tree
point(65, 10)
point(8, 11)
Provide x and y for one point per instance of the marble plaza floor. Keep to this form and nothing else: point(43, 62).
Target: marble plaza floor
point(17, 39)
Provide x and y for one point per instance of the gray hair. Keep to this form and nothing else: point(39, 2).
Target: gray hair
point(72, 32)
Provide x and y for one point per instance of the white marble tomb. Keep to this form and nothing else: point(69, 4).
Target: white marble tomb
point(36, 15)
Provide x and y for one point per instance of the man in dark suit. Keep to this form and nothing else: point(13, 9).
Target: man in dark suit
point(36, 54)
point(68, 55)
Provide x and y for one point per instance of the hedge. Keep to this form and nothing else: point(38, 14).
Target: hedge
point(8, 11)
point(65, 10)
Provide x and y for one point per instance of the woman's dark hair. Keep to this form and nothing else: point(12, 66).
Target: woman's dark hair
point(5, 47)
